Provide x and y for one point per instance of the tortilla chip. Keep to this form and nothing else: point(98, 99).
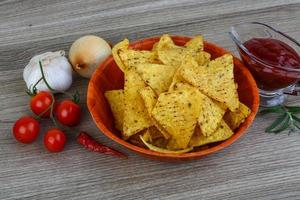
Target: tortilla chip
point(136, 117)
point(165, 42)
point(136, 140)
point(172, 57)
point(131, 57)
point(155, 46)
point(149, 98)
point(171, 54)
point(196, 43)
point(202, 58)
point(177, 113)
point(216, 80)
point(160, 128)
point(147, 136)
point(220, 104)
point(161, 150)
point(167, 52)
point(152, 134)
point(123, 45)
point(157, 76)
point(187, 60)
point(222, 133)
point(235, 119)
point(210, 114)
point(115, 99)
point(176, 79)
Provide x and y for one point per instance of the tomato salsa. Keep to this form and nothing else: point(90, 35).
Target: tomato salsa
point(273, 63)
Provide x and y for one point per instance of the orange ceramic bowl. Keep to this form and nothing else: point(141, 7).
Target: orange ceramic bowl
point(109, 77)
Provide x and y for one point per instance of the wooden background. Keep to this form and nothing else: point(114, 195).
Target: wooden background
point(258, 166)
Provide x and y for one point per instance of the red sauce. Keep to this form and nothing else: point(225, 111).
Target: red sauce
point(277, 59)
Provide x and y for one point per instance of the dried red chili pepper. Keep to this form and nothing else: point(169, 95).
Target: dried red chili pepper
point(91, 144)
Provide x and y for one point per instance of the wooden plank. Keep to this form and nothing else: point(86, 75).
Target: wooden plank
point(258, 166)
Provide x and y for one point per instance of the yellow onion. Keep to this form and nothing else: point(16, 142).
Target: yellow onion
point(87, 52)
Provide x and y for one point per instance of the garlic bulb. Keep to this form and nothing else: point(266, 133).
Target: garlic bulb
point(87, 52)
point(57, 70)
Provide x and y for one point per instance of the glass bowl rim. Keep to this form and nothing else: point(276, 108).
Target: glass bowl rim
point(234, 36)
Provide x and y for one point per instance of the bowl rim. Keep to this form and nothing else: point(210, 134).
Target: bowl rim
point(240, 131)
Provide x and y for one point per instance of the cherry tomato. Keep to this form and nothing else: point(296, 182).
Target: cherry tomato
point(40, 102)
point(68, 113)
point(26, 129)
point(55, 140)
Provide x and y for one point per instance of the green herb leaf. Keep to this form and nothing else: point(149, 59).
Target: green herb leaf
point(287, 119)
point(276, 123)
point(296, 118)
point(283, 127)
point(275, 109)
point(293, 109)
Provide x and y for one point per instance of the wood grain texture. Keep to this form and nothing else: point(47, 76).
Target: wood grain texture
point(258, 166)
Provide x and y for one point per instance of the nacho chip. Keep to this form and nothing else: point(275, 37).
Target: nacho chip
point(167, 52)
point(234, 119)
point(187, 60)
point(131, 57)
point(196, 43)
point(171, 54)
point(202, 58)
point(136, 140)
point(222, 133)
point(176, 79)
point(161, 150)
point(210, 114)
point(177, 113)
point(220, 104)
point(216, 80)
point(157, 76)
point(123, 45)
point(165, 42)
point(152, 134)
point(147, 136)
point(160, 128)
point(149, 98)
point(136, 117)
point(172, 57)
point(115, 99)
point(155, 46)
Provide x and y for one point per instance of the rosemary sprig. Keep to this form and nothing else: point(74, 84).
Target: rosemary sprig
point(287, 120)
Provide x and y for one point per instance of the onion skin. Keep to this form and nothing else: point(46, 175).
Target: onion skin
point(86, 53)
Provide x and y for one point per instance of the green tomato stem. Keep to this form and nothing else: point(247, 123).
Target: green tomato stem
point(52, 95)
point(43, 77)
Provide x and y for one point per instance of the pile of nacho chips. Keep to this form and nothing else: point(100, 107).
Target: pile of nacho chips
point(175, 98)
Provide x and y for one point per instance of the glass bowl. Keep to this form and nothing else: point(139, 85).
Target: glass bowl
point(274, 81)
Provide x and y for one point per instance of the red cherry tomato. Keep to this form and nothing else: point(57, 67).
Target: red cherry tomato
point(40, 102)
point(26, 129)
point(68, 113)
point(55, 140)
